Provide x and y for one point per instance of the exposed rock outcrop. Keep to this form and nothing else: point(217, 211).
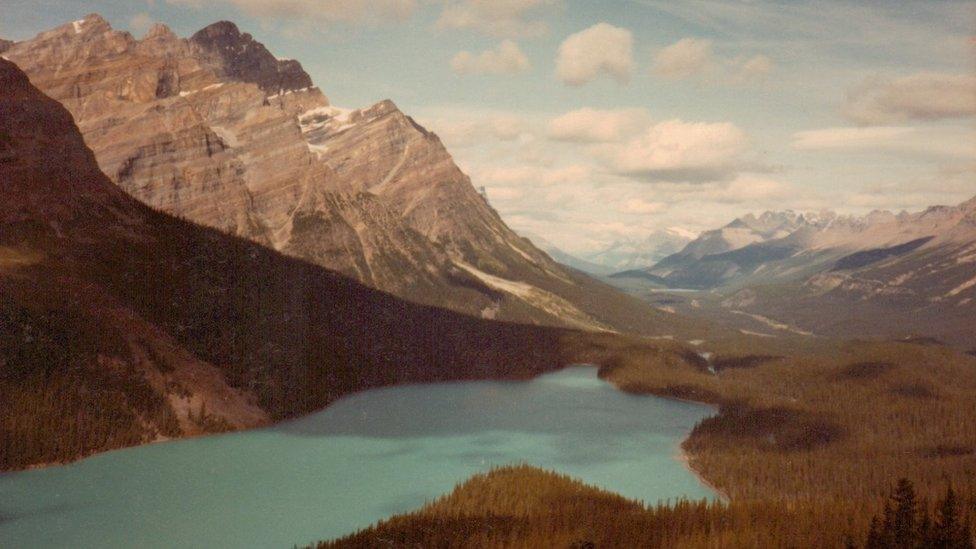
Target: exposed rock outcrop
point(216, 130)
point(240, 57)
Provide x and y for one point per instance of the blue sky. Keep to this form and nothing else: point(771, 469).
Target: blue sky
point(591, 121)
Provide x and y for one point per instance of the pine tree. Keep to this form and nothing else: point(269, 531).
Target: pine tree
point(904, 528)
point(950, 531)
point(875, 535)
point(925, 528)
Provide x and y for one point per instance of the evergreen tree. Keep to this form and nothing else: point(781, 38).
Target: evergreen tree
point(875, 535)
point(925, 528)
point(951, 531)
point(904, 526)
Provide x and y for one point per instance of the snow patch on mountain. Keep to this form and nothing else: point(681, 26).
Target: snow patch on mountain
point(536, 297)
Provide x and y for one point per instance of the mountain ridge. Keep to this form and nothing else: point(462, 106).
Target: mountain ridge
point(185, 126)
point(883, 274)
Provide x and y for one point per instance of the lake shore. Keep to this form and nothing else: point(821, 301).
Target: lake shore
point(683, 457)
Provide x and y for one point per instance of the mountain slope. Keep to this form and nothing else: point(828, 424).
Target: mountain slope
point(712, 258)
point(216, 130)
point(915, 276)
point(883, 274)
point(124, 325)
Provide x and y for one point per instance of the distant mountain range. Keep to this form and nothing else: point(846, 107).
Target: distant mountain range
point(621, 255)
point(568, 259)
point(639, 253)
point(216, 130)
point(879, 274)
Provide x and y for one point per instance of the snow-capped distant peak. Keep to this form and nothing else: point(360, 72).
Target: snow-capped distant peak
point(683, 232)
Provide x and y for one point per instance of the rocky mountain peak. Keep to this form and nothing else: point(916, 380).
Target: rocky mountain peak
point(160, 31)
point(220, 29)
point(92, 23)
point(5, 45)
point(240, 57)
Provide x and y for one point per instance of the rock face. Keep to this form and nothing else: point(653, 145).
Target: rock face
point(239, 57)
point(214, 129)
point(5, 45)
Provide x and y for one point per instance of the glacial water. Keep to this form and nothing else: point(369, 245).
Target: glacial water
point(368, 456)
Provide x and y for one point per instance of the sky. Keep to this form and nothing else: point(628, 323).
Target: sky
point(592, 122)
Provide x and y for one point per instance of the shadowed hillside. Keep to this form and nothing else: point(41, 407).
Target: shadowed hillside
point(124, 325)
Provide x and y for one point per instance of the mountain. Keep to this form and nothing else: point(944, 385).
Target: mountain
point(640, 253)
point(712, 258)
point(216, 130)
point(120, 324)
point(568, 259)
point(904, 275)
point(882, 274)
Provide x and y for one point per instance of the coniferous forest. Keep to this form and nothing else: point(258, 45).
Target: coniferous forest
point(521, 506)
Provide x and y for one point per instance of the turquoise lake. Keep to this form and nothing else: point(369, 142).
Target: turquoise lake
point(368, 456)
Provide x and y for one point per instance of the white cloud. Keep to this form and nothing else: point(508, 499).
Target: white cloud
point(694, 58)
point(598, 126)
point(753, 190)
point(756, 67)
point(506, 127)
point(922, 96)
point(947, 186)
point(496, 17)
point(326, 11)
point(641, 206)
point(507, 58)
point(602, 49)
point(685, 58)
point(140, 23)
point(675, 150)
point(504, 193)
point(463, 128)
point(939, 142)
point(533, 176)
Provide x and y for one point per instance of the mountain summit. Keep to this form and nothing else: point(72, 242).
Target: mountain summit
point(218, 131)
point(239, 56)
